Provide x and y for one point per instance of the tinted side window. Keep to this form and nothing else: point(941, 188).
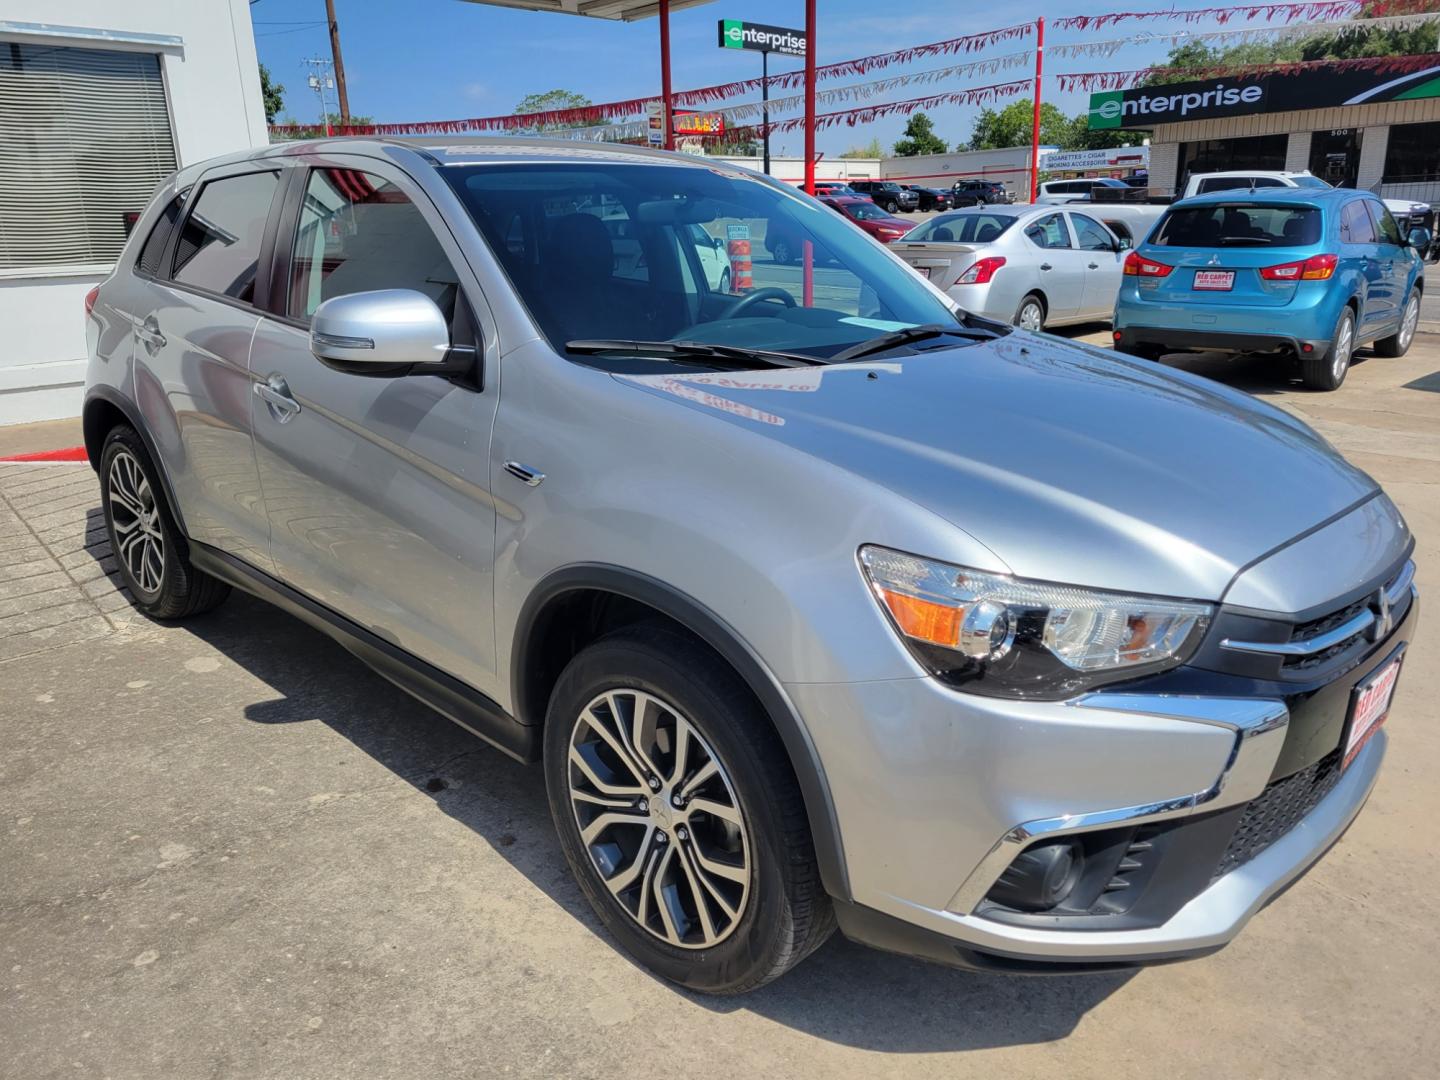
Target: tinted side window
point(1090, 235)
point(1355, 225)
point(359, 232)
point(219, 245)
point(153, 250)
point(1384, 223)
point(1049, 232)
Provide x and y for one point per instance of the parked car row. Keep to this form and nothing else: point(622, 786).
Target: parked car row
point(895, 197)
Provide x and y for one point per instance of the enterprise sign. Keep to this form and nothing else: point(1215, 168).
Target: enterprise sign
point(735, 34)
point(1318, 88)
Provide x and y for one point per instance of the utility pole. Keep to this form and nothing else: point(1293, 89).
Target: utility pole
point(320, 81)
point(339, 63)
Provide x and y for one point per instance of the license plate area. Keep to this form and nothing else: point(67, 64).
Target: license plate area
point(1370, 705)
point(1214, 280)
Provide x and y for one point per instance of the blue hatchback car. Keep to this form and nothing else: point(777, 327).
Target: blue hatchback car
point(1311, 272)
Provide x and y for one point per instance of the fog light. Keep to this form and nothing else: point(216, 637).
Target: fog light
point(1040, 877)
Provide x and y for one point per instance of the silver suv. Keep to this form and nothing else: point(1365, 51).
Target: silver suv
point(820, 600)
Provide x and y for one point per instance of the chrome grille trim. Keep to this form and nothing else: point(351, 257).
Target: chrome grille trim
point(1395, 593)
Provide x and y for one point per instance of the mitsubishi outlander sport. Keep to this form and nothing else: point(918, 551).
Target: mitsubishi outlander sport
point(820, 600)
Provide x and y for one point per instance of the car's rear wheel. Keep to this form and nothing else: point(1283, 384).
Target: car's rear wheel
point(1030, 315)
point(1326, 371)
point(148, 548)
point(725, 281)
point(781, 250)
point(1398, 343)
point(679, 815)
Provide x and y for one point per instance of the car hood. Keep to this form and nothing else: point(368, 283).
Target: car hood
point(1068, 462)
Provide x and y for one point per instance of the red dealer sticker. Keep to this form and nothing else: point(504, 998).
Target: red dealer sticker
point(1370, 705)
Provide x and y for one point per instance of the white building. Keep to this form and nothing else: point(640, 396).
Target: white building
point(99, 101)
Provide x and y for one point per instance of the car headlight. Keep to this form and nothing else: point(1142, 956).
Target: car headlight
point(1007, 637)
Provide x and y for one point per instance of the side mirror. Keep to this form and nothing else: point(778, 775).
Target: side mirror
point(384, 333)
point(1419, 239)
point(1122, 243)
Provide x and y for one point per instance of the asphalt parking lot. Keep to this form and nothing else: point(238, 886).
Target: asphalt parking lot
point(229, 850)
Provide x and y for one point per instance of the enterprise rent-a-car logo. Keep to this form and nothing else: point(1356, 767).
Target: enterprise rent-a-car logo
point(735, 34)
point(1109, 108)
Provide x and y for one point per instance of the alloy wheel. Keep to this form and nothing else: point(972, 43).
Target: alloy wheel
point(135, 519)
point(1344, 345)
point(659, 818)
point(1031, 317)
point(1410, 322)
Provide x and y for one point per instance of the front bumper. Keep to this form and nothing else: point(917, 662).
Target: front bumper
point(937, 791)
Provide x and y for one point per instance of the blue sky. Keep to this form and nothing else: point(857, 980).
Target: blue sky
point(449, 59)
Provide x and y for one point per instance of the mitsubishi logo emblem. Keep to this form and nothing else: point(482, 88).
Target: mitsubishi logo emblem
point(1384, 621)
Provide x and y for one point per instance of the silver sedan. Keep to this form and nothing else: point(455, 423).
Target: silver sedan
point(1035, 266)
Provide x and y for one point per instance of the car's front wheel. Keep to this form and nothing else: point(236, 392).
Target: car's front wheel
point(679, 815)
point(146, 542)
point(1327, 370)
point(781, 250)
point(1398, 343)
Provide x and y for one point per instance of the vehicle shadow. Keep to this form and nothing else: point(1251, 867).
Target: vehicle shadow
point(844, 993)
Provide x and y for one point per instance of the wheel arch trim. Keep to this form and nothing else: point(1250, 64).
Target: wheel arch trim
point(110, 396)
point(725, 640)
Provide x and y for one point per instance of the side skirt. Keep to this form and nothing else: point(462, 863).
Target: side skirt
point(444, 693)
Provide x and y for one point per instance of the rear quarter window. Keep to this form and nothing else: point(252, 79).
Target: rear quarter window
point(1239, 225)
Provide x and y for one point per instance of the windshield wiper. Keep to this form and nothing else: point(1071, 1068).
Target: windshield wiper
point(909, 336)
point(691, 350)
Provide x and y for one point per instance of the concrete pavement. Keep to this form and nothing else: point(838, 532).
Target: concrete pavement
point(229, 850)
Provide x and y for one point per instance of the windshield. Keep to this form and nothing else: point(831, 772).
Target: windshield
point(967, 228)
point(642, 252)
point(864, 211)
point(1239, 225)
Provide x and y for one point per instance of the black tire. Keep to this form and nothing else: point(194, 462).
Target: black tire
point(154, 547)
point(1398, 343)
point(781, 251)
point(1327, 371)
point(1145, 352)
point(725, 281)
point(786, 914)
point(889, 207)
point(1030, 300)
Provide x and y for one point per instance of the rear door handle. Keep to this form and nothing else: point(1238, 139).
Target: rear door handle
point(1046, 266)
point(1094, 266)
point(149, 332)
point(275, 392)
point(526, 475)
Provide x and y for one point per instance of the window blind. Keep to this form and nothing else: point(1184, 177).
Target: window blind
point(84, 138)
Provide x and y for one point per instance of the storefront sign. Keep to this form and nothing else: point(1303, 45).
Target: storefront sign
point(699, 124)
point(1147, 106)
point(735, 34)
point(1124, 157)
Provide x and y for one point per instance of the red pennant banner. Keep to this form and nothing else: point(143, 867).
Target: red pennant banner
point(1121, 80)
point(614, 110)
point(977, 95)
point(1316, 10)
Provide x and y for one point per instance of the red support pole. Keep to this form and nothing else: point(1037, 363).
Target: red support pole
point(665, 74)
point(810, 97)
point(1035, 123)
point(808, 284)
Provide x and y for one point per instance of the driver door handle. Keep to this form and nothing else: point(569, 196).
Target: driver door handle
point(1046, 266)
point(275, 392)
point(1094, 266)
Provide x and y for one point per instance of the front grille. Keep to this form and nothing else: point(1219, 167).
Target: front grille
point(1277, 809)
point(1323, 625)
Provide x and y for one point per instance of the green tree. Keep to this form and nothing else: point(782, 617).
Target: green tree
point(920, 138)
point(1081, 137)
point(872, 149)
point(1010, 126)
point(551, 100)
point(272, 93)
